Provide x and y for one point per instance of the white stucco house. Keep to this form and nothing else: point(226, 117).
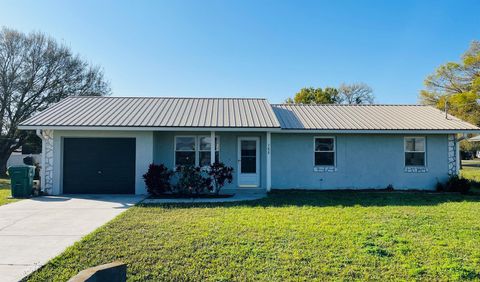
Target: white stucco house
point(105, 144)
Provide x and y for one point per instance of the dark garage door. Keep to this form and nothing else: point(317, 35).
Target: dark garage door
point(99, 166)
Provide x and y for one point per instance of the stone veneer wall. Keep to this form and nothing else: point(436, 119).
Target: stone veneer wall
point(452, 154)
point(48, 165)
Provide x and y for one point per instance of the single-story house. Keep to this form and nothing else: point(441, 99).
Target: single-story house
point(105, 144)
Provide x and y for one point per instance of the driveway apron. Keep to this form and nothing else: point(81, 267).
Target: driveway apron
point(33, 231)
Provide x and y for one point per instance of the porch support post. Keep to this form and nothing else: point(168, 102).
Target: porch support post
point(269, 161)
point(212, 147)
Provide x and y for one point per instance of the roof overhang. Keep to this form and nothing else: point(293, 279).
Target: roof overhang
point(144, 128)
point(382, 131)
point(253, 129)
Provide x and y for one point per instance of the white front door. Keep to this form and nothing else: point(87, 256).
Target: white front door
point(248, 162)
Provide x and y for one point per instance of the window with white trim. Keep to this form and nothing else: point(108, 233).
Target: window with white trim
point(185, 150)
point(415, 148)
point(195, 150)
point(204, 150)
point(324, 151)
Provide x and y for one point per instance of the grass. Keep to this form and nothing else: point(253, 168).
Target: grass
point(471, 170)
point(5, 192)
point(291, 235)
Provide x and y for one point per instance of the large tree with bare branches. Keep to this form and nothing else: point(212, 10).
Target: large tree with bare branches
point(355, 94)
point(36, 71)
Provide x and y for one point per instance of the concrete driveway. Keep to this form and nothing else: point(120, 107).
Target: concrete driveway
point(36, 230)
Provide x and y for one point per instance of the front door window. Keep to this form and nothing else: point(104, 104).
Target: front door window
point(249, 156)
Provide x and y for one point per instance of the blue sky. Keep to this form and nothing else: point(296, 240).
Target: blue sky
point(256, 48)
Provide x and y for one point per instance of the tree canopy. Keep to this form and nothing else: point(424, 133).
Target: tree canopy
point(313, 95)
point(36, 71)
point(459, 84)
point(355, 93)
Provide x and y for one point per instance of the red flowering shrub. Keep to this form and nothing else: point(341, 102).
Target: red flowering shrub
point(157, 179)
point(220, 174)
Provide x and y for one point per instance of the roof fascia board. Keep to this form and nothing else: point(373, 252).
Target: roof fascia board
point(143, 128)
point(245, 129)
point(384, 131)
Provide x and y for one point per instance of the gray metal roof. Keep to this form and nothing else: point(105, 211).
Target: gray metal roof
point(157, 112)
point(165, 112)
point(366, 117)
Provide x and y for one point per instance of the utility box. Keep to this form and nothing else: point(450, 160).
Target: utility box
point(21, 180)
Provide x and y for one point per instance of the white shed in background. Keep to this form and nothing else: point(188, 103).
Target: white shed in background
point(16, 158)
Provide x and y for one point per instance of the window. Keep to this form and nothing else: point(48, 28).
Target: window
point(185, 147)
point(324, 151)
point(414, 151)
point(204, 150)
point(194, 150)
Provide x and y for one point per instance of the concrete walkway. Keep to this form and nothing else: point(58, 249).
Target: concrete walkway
point(36, 230)
point(238, 197)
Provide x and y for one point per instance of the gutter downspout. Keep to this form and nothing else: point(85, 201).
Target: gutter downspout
point(457, 150)
point(269, 161)
point(464, 136)
point(42, 168)
point(212, 153)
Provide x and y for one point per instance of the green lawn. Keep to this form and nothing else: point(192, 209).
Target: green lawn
point(5, 192)
point(471, 170)
point(290, 236)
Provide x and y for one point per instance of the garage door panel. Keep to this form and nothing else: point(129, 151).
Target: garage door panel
point(99, 166)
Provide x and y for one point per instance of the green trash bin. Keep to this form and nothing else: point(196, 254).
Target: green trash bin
point(21, 180)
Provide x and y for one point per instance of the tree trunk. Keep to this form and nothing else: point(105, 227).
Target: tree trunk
point(5, 151)
point(7, 146)
point(3, 165)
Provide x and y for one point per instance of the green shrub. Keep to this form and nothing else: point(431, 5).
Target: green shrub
point(440, 187)
point(220, 173)
point(187, 180)
point(192, 181)
point(457, 184)
point(157, 179)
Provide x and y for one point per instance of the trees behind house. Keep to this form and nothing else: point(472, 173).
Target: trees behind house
point(458, 83)
point(36, 71)
point(312, 95)
point(352, 94)
point(355, 94)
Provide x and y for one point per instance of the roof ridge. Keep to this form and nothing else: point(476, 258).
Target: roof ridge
point(352, 105)
point(168, 97)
